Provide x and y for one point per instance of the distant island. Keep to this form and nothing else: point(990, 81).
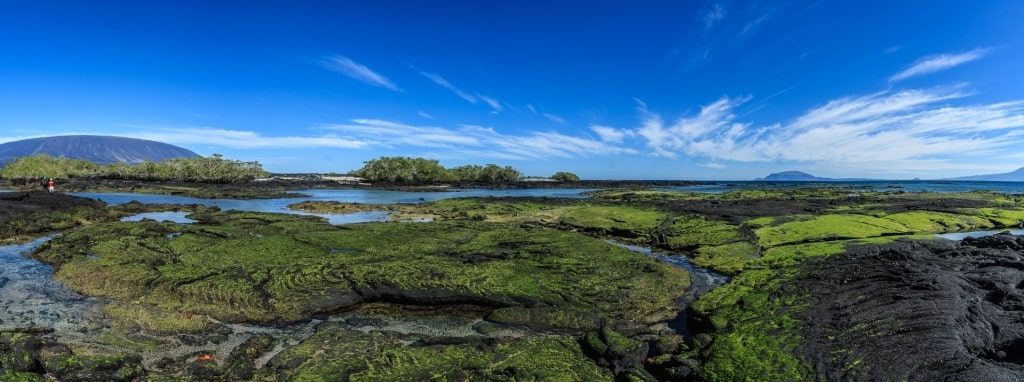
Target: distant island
point(94, 148)
point(1015, 176)
point(799, 176)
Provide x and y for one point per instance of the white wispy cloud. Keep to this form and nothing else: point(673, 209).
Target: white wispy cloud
point(713, 15)
point(425, 115)
point(493, 103)
point(243, 139)
point(477, 141)
point(554, 118)
point(884, 131)
point(393, 134)
point(437, 79)
point(358, 71)
point(750, 26)
point(610, 134)
point(715, 121)
point(938, 62)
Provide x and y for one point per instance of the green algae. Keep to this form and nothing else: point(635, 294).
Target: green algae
point(21, 226)
point(240, 266)
point(1002, 217)
point(729, 258)
point(936, 222)
point(754, 330)
point(357, 356)
point(497, 210)
point(548, 317)
point(19, 376)
point(828, 227)
point(493, 252)
point(693, 231)
point(130, 316)
point(614, 220)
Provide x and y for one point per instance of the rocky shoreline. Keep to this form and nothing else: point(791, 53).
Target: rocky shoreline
point(826, 284)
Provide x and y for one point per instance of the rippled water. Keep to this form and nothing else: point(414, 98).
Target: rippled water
point(30, 297)
point(867, 185)
point(962, 235)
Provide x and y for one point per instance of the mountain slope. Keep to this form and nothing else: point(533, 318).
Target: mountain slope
point(94, 148)
point(793, 176)
point(1015, 176)
point(800, 176)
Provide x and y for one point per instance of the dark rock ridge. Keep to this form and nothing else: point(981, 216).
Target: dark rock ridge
point(1016, 176)
point(94, 148)
point(932, 310)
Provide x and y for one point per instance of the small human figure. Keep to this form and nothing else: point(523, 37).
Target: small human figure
point(49, 185)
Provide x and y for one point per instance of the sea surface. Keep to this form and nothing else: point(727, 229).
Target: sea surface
point(869, 185)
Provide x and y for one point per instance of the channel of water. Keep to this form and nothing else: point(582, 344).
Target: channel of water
point(701, 280)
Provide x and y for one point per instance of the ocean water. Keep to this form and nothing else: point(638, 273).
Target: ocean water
point(869, 185)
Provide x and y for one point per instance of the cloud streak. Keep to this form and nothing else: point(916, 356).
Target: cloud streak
point(886, 131)
point(475, 140)
point(440, 81)
point(241, 139)
point(554, 118)
point(935, 63)
point(493, 103)
point(359, 72)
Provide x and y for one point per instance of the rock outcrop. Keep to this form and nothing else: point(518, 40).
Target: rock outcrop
point(918, 310)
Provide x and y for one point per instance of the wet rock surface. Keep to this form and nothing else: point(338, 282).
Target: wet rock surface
point(41, 212)
point(918, 310)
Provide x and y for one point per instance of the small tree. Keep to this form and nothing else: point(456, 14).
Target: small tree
point(563, 176)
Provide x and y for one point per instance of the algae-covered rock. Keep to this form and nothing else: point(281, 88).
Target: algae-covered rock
point(242, 266)
point(613, 350)
point(621, 221)
point(542, 318)
point(19, 376)
point(82, 368)
point(18, 352)
point(241, 364)
point(358, 356)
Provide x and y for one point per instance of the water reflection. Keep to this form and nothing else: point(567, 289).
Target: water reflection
point(171, 216)
point(378, 197)
point(962, 235)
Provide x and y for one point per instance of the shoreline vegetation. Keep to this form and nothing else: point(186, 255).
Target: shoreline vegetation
point(827, 284)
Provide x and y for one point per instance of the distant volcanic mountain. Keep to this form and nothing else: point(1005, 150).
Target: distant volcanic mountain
point(1016, 176)
point(94, 148)
point(793, 176)
point(798, 176)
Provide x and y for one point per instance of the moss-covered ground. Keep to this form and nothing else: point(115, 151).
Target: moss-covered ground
point(239, 266)
point(538, 263)
point(357, 356)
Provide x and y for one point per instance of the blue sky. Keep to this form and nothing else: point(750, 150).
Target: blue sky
point(606, 89)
